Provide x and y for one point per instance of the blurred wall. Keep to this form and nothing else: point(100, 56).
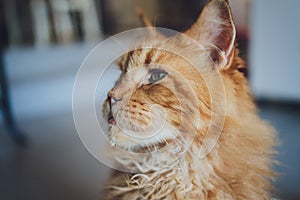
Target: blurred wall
point(274, 62)
point(118, 16)
point(44, 22)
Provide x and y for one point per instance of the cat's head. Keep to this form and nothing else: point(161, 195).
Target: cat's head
point(166, 85)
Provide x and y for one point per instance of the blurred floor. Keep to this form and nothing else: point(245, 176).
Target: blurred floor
point(55, 165)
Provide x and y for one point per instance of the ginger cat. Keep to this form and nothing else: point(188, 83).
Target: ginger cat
point(202, 91)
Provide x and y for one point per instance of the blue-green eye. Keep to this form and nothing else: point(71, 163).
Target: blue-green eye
point(156, 75)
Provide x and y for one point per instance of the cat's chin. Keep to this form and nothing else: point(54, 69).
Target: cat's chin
point(129, 142)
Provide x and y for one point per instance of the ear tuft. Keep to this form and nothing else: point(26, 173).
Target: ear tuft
point(140, 12)
point(215, 30)
point(147, 23)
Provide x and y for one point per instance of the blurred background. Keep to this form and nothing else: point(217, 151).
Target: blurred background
point(44, 42)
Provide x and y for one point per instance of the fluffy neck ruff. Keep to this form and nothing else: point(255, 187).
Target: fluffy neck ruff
point(239, 167)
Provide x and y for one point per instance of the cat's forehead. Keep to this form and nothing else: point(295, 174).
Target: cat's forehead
point(141, 57)
point(165, 52)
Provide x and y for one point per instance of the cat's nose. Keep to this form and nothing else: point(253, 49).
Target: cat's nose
point(113, 98)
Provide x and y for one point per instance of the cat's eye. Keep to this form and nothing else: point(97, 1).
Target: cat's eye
point(156, 75)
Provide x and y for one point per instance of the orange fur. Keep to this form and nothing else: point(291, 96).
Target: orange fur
point(240, 164)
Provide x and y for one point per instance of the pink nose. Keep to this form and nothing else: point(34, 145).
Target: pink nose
point(112, 98)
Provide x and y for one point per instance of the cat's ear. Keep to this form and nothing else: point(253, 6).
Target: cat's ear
point(147, 23)
point(215, 30)
point(145, 20)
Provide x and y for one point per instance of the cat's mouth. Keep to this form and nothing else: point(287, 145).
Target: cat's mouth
point(111, 120)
